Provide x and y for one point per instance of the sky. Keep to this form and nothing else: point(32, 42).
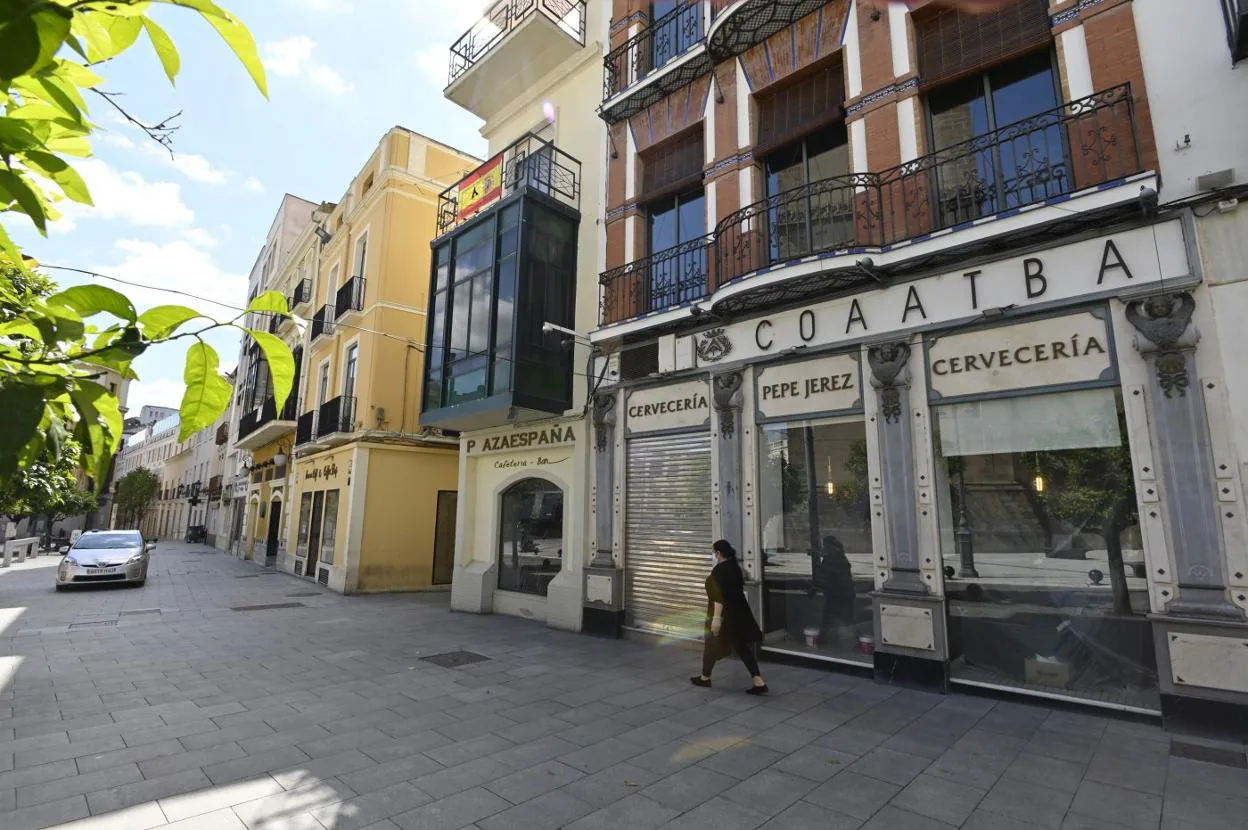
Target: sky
point(340, 74)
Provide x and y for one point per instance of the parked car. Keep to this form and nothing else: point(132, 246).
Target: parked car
point(105, 556)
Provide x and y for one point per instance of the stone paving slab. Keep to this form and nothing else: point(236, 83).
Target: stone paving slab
point(326, 716)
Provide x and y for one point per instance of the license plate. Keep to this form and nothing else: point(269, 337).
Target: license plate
point(102, 570)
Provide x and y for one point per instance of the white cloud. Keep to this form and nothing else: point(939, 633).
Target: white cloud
point(292, 58)
point(125, 195)
point(254, 185)
point(199, 238)
point(324, 6)
point(434, 62)
point(155, 392)
point(180, 265)
point(195, 167)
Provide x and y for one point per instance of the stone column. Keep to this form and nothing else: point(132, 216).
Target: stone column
point(1166, 338)
point(890, 377)
point(726, 390)
point(603, 612)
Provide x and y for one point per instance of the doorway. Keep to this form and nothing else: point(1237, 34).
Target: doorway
point(270, 543)
point(314, 533)
point(444, 537)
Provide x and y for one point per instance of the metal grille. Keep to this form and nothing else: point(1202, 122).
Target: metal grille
point(668, 533)
point(298, 568)
point(455, 659)
point(96, 624)
point(267, 606)
point(322, 576)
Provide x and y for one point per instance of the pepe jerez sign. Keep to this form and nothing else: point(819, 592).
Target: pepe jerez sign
point(1133, 259)
point(825, 384)
point(1050, 352)
point(675, 406)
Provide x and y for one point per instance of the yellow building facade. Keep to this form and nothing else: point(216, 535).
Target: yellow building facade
point(372, 495)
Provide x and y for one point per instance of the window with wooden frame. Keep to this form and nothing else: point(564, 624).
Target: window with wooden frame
point(805, 103)
point(953, 42)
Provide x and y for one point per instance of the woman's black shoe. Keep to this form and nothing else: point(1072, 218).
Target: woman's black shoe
point(757, 690)
point(698, 681)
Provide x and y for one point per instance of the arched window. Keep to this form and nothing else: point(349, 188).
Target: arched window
point(530, 545)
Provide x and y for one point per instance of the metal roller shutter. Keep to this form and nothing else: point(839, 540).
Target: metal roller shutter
point(668, 533)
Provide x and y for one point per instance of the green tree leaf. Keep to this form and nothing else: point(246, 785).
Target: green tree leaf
point(98, 429)
point(281, 363)
point(270, 301)
point(94, 299)
point(30, 39)
point(165, 50)
point(161, 321)
point(22, 406)
point(207, 393)
point(14, 188)
point(59, 171)
point(237, 37)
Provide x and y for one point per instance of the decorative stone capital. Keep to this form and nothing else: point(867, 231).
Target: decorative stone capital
point(604, 420)
point(890, 374)
point(1164, 330)
point(728, 397)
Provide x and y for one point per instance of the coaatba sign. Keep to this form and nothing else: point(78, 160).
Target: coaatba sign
point(1094, 267)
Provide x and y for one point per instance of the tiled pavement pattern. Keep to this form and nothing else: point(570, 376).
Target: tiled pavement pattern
point(326, 716)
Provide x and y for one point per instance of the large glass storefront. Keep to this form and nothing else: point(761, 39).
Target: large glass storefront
point(816, 529)
point(1043, 560)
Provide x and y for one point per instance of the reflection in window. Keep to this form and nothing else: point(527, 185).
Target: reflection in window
point(803, 219)
point(530, 550)
point(1043, 555)
point(677, 276)
point(1018, 167)
point(305, 516)
point(329, 532)
point(817, 568)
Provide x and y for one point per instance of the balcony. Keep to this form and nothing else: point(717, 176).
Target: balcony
point(223, 434)
point(275, 322)
point(265, 425)
point(350, 297)
point(214, 488)
point(530, 164)
point(322, 322)
point(1073, 150)
point(301, 294)
point(514, 44)
point(685, 44)
point(661, 58)
point(336, 418)
point(305, 429)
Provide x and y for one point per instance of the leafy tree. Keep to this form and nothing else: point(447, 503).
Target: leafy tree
point(136, 491)
point(47, 489)
point(50, 51)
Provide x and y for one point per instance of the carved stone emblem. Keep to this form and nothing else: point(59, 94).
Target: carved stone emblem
point(726, 390)
point(1164, 326)
point(888, 365)
point(713, 346)
point(604, 420)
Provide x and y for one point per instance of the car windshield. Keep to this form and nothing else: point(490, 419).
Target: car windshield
point(107, 541)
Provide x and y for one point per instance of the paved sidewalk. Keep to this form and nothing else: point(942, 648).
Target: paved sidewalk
point(179, 705)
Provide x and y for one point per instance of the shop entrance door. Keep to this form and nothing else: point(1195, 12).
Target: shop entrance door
point(667, 533)
point(444, 537)
point(314, 533)
point(275, 524)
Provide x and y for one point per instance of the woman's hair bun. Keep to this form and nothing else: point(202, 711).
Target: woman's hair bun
point(725, 549)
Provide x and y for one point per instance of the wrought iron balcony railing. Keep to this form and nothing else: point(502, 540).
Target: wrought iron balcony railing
point(275, 320)
point(664, 40)
point(337, 415)
point(504, 17)
point(302, 293)
point(1081, 144)
point(305, 428)
point(350, 297)
point(322, 322)
point(530, 163)
point(256, 418)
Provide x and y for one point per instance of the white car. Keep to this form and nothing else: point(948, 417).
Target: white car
point(100, 556)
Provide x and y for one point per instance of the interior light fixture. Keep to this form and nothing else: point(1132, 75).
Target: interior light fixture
point(1039, 483)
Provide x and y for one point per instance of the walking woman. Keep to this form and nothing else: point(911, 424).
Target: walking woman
point(730, 625)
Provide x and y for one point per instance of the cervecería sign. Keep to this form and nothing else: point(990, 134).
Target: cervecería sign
point(676, 406)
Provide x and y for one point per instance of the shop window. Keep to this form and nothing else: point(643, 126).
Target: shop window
point(305, 517)
point(817, 556)
point(807, 213)
point(974, 178)
point(1041, 543)
point(530, 549)
point(329, 530)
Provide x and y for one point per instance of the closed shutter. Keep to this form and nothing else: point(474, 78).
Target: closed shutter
point(668, 533)
point(673, 166)
point(800, 108)
point(953, 42)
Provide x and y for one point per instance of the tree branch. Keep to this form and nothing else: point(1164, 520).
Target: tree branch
point(161, 132)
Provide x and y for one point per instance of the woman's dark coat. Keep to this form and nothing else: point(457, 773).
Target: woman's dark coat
point(726, 584)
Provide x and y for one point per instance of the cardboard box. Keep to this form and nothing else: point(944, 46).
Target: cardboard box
point(1041, 673)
